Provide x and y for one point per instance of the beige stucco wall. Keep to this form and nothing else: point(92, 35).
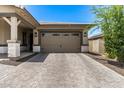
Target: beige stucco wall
point(84, 45)
point(4, 32)
point(79, 27)
point(7, 9)
point(96, 46)
point(90, 45)
point(85, 38)
point(102, 47)
point(35, 37)
point(23, 13)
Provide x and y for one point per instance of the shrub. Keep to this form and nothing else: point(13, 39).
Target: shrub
point(111, 21)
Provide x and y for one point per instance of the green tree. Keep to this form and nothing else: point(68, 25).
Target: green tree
point(111, 21)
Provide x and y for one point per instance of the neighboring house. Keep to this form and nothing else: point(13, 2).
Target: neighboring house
point(19, 31)
point(96, 41)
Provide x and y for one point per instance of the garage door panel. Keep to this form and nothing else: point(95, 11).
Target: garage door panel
point(60, 42)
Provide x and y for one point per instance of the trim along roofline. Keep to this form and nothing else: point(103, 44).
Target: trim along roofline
point(27, 16)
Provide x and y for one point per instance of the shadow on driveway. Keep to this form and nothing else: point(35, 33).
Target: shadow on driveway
point(39, 57)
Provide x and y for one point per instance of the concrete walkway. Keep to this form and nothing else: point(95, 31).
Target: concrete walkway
point(4, 57)
point(62, 70)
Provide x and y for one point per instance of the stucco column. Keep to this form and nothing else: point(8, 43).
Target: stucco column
point(13, 43)
point(84, 46)
point(13, 48)
point(36, 45)
point(14, 28)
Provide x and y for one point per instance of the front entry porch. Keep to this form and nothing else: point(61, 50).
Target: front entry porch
point(17, 37)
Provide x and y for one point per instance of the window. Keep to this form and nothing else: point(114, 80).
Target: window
point(75, 34)
point(66, 34)
point(24, 39)
point(43, 34)
point(56, 34)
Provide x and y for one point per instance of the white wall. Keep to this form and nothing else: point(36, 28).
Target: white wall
point(3, 49)
point(84, 48)
point(36, 48)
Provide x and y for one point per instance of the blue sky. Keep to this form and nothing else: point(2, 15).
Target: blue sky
point(64, 13)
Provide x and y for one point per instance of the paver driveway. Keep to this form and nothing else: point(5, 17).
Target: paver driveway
point(62, 70)
point(5, 69)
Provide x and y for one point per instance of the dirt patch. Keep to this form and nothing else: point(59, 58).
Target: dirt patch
point(114, 65)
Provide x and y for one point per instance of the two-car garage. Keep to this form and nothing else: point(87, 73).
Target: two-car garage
point(61, 37)
point(60, 42)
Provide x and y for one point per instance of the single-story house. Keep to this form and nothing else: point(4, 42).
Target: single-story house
point(96, 41)
point(20, 31)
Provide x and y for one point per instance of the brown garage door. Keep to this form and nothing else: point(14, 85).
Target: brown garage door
point(60, 42)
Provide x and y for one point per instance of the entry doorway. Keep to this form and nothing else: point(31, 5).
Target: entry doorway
point(31, 42)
